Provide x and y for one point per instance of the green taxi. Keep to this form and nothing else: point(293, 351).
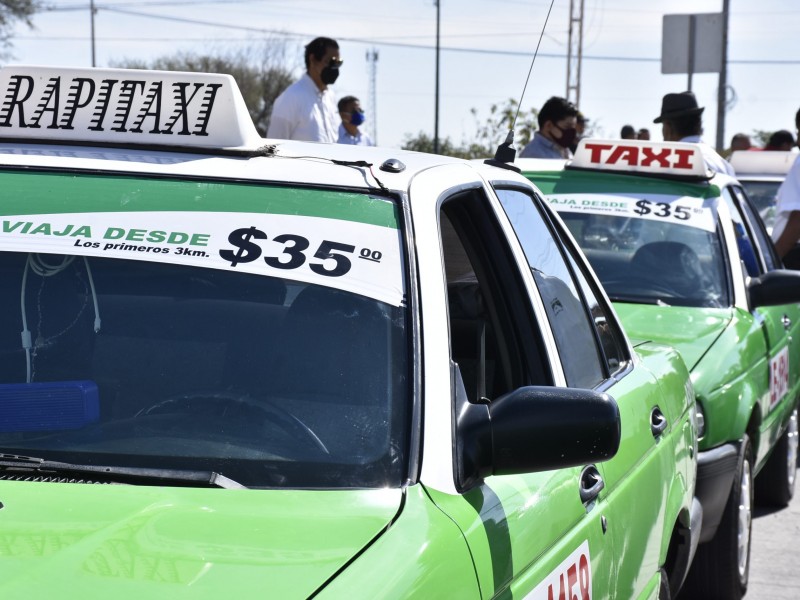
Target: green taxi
point(249, 368)
point(686, 261)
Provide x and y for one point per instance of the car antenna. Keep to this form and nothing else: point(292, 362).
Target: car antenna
point(506, 152)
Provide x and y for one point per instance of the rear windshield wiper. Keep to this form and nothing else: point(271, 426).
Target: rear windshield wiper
point(23, 464)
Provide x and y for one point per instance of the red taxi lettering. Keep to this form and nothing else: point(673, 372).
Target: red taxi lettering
point(597, 150)
point(648, 156)
point(575, 586)
point(677, 158)
point(628, 154)
point(683, 159)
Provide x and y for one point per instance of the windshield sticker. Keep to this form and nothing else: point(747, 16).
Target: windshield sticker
point(353, 256)
point(571, 579)
point(700, 213)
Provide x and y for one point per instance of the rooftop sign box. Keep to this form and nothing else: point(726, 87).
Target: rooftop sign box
point(639, 156)
point(124, 106)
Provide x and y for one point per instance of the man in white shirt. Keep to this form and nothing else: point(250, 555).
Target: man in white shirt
point(786, 231)
point(306, 110)
point(681, 121)
point(352, 118)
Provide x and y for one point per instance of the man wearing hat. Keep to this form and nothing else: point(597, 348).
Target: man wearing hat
point(681, 121)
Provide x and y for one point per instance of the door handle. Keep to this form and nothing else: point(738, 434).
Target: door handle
point(658, 422)
point(591, 484)
point(787, 322)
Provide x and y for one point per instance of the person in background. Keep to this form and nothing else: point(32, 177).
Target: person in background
point(352, 117)
point(306, 110)
point(558, 121)
point(780, 140)
point(580, 130)
point(786, 230)
point(681, 121)
point(741, 141)
point(627, 132)
point(643, 134)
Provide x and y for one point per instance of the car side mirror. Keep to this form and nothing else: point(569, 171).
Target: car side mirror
point(531, 429)
point(781, 286)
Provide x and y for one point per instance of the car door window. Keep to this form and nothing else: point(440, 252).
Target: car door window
point(576, 329)
point(764, 246)
point(744, 239)
point(493, 337)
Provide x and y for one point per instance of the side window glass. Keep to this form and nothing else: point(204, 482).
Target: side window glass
point(571, 322)
point(744, 241)
point(493, 338)
point(611, 338)
point(764, 244)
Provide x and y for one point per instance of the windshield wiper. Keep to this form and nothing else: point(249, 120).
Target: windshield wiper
point(14, 463)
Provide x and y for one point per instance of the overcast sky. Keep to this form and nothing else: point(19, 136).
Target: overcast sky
point(486, 50)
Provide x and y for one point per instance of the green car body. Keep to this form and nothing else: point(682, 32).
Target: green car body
point(272, 369)
point(741, 346)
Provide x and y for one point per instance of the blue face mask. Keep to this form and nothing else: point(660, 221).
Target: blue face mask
point(356, 118)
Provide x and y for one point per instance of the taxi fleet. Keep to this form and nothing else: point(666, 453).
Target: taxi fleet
point(686, 261)
point(242, 367)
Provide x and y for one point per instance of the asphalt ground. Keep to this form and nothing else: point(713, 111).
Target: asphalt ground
point(775, 553)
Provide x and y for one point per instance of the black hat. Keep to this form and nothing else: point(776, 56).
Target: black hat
point(674, 106)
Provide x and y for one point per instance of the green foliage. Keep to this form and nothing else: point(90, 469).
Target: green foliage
point(258, 71)
point(760, 137)
point(10, 12)
point(488, 134)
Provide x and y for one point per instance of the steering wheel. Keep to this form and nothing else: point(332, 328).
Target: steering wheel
point(638, 286)
point(220, 404)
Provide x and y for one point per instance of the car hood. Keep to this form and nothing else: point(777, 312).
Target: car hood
point(691, 331)
point(149, 543)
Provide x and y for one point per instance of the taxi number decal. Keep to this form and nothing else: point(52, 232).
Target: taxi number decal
point(778, 377)
point(694, 212)
point(571, 580)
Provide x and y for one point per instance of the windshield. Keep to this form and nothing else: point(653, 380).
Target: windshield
point(651, 249)
point(273, 381)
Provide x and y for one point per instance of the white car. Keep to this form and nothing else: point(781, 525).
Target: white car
point(762, 173)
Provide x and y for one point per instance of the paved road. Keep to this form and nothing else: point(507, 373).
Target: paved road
point(775, 558)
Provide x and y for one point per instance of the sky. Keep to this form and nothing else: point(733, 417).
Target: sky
point(486, 51)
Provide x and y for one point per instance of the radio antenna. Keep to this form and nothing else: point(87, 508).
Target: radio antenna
point(506, 153)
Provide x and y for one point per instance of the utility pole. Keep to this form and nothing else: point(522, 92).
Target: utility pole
point(575, 51)
point(92, 11)
point(436, 110)
point(372, 65)
point(722, 92)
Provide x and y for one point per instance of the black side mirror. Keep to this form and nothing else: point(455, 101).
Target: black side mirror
point(781, 286)
point(534, 429)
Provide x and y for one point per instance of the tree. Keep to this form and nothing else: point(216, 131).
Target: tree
point(258, 70)
point(10, 12)
point(488, 135)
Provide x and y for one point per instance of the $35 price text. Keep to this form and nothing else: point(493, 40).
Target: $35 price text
point(333, 256)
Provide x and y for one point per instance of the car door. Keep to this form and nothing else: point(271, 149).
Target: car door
point(781, 324)
point(648, 480)
point(536, 535)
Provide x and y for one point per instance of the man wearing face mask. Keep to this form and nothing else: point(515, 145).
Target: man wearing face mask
point(352, 118)
point(558, 119)
point(306, 110)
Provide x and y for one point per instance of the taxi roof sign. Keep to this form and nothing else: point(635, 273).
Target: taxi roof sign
point(767, 162)
point(124, 106)
point(675, 159)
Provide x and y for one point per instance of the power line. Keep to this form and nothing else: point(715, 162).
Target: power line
point(374, 42)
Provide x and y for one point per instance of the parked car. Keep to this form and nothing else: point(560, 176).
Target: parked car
point(686, 261)
point(762, 172)
point(237, 367)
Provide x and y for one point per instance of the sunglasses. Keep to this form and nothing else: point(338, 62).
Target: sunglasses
point(335, 63)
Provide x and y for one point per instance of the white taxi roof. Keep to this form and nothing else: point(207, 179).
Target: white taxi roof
point(763, 162)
